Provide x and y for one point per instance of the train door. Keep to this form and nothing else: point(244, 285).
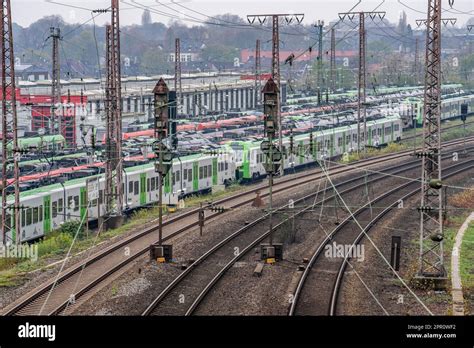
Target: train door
point(301, 152)
point(214, 171)
point(332, 144)
point(47, 214)
point(143, 189)
point(195, 176)
point(83, 203)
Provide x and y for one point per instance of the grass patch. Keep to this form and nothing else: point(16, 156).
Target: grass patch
point(467, 260)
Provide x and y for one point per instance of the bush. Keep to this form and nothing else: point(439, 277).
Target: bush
point(464, 199)
point(71, 227)
point(55, 244)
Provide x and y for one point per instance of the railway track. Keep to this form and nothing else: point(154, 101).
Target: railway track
point(193, 285)
point(55, 296)
point(328, 273)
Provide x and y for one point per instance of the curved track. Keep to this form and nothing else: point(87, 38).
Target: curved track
point(327, 273)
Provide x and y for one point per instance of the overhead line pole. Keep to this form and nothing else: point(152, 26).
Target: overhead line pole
point(258, 85)
point(431, 258)
point(319, 75)
point(361, 107)
point(333, 60)
point(10, 149)
point(177, 77)
point(56, 107)
point(289, 18)
point(114, 166)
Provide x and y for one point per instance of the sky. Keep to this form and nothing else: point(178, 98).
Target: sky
point(25, 12)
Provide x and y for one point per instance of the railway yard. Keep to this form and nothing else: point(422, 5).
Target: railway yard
point(225, 165)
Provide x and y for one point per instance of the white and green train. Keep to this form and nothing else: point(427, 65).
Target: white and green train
point(46, 208)
point(450, 109)
point(328, 143)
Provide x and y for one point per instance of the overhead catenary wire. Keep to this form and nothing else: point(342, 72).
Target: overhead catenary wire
point(374, 245)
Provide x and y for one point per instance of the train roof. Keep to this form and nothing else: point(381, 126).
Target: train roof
point(73, 182)
point(250, 144)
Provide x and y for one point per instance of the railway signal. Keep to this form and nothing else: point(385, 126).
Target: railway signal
point(201, 213)
point(272, 153)
point(464, 112)
point(160, 252)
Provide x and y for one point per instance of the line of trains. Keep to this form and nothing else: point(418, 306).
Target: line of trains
point(44, 209)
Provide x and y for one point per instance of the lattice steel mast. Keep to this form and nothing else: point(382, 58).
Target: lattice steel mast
point(258, 83)
point(431, 209)
point(56, 107)
point(361, 86)
point(362, 80)
point(333, 60)
point(10, 150)
point(177, 77)
point(276, 60)
point(114, 175)
point(319, 76)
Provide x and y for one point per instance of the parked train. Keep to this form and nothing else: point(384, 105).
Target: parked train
point(46, 208)
point(412, 108)
point(327, 143)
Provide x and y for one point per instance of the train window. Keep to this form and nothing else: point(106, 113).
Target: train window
point(35, 215)
point(205, 172)
point(55, 209)
point(60, 205)
point(153, 184)
point(40, 213)
point(190, 175)
point(388, 130)
point(76, 203)
point(173, 178)
point(339, 141)
point(201, 170)
point(28, 216)
point(185, 174)
point(379, 131)
point(130, 187)
point(209, 170)
point(135, 188)
point(397, 128)
point(354, 137)
point(23, 217)
point(94, 203)
point(70, 201)
point(178, 175)
point(101, 196)
point(148, 185)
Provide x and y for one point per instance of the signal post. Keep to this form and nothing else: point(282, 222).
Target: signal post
point(159, 251)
